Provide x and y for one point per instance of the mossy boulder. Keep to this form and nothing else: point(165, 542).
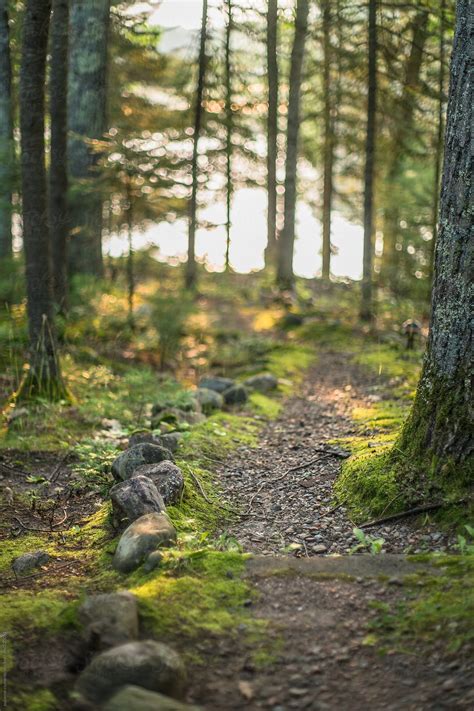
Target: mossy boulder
point(127, 462)
point(169, 440)
point(148, 664)
point(236, 395)
point(134, 498)
point(210, 400)
point(216, 383)
point(24, 564)
point(109, 620)
point(262, 383)
point(133, 698)
point(168, 479)
point(143, 536)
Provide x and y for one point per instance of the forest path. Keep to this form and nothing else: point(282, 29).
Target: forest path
point(295, 507)
point(318, 608)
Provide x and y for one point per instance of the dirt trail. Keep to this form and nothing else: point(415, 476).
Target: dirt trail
point(318, 608)
point(298, 507)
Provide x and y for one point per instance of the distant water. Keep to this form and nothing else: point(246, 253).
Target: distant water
point(248, 239)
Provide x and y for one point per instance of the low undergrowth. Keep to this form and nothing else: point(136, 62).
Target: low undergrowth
point(437, 609)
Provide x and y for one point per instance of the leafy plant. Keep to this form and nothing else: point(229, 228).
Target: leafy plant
point(169, 316)
point(374, 545)
point(466, 545)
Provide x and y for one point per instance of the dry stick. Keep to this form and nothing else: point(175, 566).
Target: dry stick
point(43, 530)
point(4, 583)
point(411, 512)
point(9, 468)
point(57, 468)
point(297, 468)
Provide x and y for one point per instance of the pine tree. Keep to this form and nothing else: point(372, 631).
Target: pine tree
point(6, 135)
point(272, 125)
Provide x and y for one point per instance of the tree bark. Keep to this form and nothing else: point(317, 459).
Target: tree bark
point(228, 147)
point(403, 131)
point(438, 431)
point(191, 270)
point(58, 180)
point(86, 120)
point(272, 127)
point(44, 374)
point(366, 308)
point(439, 137)
point(7, 152)
point(328, 140)
point(285, 276)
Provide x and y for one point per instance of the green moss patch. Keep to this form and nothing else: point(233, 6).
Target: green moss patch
point(438, 608)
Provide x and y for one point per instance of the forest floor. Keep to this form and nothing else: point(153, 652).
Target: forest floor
point(273, 596)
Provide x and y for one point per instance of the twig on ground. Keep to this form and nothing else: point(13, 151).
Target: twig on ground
point(57, 468)
point(15, 470)
point(216, 503)
point(5, 583)
point(411, 512)
point(43, 530)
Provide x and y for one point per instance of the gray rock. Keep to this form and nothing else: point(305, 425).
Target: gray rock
point(236, 395)
point(153, 561)
point(134, 498)
point(144, 438)
point(126, 463)
point(133, 698)
point(143, 536)
point(188, 405)
point(168, 479)
point(169, 441)
point(216, 383)
point(210, 400)
point(109, 619)
point(176, 418)
point(27, 562)
point(150, 665)
point(263, 383)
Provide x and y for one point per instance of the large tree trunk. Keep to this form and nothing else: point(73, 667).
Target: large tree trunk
point(272, 126)
point(285, 276)
point(228, 147)
point(6, 135)
point(438, 148)
point(438, 431)
point(403, 131)
point(44, 375)
point(86, 120)
point(58, 183)
point(328, 140)
point(191, 270)
point(366, 307)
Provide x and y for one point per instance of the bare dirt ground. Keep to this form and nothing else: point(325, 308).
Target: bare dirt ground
point(297, 507)
point(318, 618)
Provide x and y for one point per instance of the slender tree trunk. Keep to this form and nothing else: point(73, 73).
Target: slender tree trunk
point(328, 140)
point(438, 432)
point(7, 152)
point(58, 180)
point(228, 147)
point(439, 137)
point(285, 276)
point(272, 126)
point(390, 267)
point(44, 374)
point(87, 120)
point(366, 308)
point(191, 270)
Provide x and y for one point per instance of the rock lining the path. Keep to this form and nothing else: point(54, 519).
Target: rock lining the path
point(134, 698)
point(141, 538)
point(169, 440)
point(109, 619)
point(148, 664)
point(135, 497)
point(127, 462)
point(263, 383)
point(236, 395)
point(217, 383)
point(25, 563)
point(168, 479)
point(210, 400)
